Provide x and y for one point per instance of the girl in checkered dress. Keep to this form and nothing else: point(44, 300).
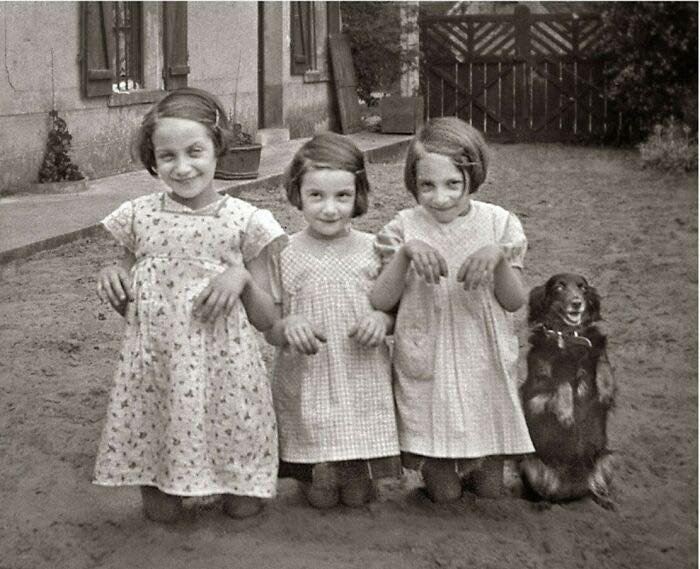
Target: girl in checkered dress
point(332, 378)
point(454, 267)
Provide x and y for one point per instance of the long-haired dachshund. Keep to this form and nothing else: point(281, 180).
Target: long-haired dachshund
point(568, 393)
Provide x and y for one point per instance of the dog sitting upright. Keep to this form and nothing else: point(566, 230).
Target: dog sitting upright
point(568, 393)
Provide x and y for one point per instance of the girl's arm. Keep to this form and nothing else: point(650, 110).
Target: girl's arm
point(371, 329)
point(490, 262)
point(296, 331)
point(388, 288)
point(113, 283)
point(508, 287)
point(250, 284)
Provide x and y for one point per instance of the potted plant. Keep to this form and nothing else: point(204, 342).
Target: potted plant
point(242, 157)
point(57, 173)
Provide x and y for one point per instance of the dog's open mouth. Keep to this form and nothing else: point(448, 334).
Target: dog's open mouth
point(572, 317)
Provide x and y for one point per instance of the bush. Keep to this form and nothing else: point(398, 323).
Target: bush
point(670, 147)
point(57, 165)
point(651, 62)
point(374, 31)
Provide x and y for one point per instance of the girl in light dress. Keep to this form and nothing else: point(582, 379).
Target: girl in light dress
point(190, 411)
point(453, 265)
point(332, 376)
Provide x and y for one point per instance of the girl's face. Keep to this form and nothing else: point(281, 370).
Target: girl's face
point(327, 202)
point(186, 160)
point(441, 188)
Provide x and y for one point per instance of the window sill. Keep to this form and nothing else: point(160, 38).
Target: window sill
point(135, 98)
point(313, 76)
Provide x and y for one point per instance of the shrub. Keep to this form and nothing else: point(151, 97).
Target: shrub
point(374, 30)
point(671, 147)
point(651, 62)
point(57, 165)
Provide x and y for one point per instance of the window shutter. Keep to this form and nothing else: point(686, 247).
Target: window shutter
point(97, 65)
point(300, 24)
point(175, 39)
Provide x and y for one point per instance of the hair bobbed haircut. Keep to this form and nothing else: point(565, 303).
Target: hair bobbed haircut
point(329, 151)
point(453, 138)
point(186, 103)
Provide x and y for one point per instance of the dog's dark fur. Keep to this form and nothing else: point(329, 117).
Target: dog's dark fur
point(568, 393)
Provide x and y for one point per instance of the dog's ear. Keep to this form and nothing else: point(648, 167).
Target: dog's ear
point(593, 304)
point(536, 306)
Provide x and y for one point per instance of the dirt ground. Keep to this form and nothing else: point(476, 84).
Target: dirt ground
point(633, 233)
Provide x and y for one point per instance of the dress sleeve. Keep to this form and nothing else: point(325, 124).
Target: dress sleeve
point(513, 241)
point(389, 239)
point(262, 230)
point(274, 268)
point(120, 223)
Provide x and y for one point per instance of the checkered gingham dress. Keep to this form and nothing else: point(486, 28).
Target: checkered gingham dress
point(455, 350)
point(337, 404)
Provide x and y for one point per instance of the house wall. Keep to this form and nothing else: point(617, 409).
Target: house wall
point(223, 59)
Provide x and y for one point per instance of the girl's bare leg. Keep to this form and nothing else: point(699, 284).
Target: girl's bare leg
point(323, 492)
point(240, 507)
point(442, 481)
point(487, 481)
point(356, 487)
point(159, 506)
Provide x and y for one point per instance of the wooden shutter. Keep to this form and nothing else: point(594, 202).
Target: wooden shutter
point(97, 65)
point(176, 66)
point(345, 82)
point(301, 13)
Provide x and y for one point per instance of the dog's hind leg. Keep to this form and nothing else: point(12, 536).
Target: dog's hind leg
point(600, 480)
point(540, 478)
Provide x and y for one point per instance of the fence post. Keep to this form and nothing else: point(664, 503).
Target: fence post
point(521, 23)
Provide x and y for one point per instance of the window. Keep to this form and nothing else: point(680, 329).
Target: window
point(127, 36)
point(303, 36)
point(112, 36)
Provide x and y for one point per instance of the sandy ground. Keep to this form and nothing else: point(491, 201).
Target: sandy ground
point(633, 233)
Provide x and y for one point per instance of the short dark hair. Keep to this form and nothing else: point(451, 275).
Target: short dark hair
point(186, 103)
point(330, 151)
point(453, 138)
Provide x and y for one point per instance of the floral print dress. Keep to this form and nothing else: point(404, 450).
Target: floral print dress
point(456, 351)
point(190, 410)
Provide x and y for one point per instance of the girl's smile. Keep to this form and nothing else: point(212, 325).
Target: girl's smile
point(443, 190)
point(186, 160)
point(328, 201)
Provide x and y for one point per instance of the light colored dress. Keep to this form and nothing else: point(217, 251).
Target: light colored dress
point(190, 410)
point(337, 404)
point(456, 351)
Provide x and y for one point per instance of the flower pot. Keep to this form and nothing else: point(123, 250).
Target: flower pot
point(401, 115)
point(239, 163)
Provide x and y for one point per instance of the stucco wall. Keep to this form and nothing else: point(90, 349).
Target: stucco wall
point(223, 58)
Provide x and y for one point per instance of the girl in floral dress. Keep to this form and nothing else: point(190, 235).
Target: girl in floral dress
point(332, 377)
point(190, 411)
point(453, 265)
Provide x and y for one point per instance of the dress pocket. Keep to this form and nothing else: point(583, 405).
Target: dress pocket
point(416, 339)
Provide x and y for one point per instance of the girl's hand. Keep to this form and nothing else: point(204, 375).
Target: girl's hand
point(221, 294)
point(301, 335)
point(370, 329)
point(477, 270)
point(428, 263)
point(113, 287)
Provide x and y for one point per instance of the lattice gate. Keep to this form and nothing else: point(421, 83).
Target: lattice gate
point(525, 77)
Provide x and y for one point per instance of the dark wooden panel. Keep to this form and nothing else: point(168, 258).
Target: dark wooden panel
point(345, 82)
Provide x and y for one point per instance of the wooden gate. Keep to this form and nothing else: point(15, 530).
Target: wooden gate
point(520, 77)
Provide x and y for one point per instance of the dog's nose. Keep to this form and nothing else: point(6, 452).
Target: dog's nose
point(576, 304)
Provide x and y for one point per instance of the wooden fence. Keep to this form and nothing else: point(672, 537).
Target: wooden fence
point(520, 77)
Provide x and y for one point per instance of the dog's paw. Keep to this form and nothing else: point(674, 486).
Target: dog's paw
point(605, 381)
point(538, 404)
point(564, 405)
